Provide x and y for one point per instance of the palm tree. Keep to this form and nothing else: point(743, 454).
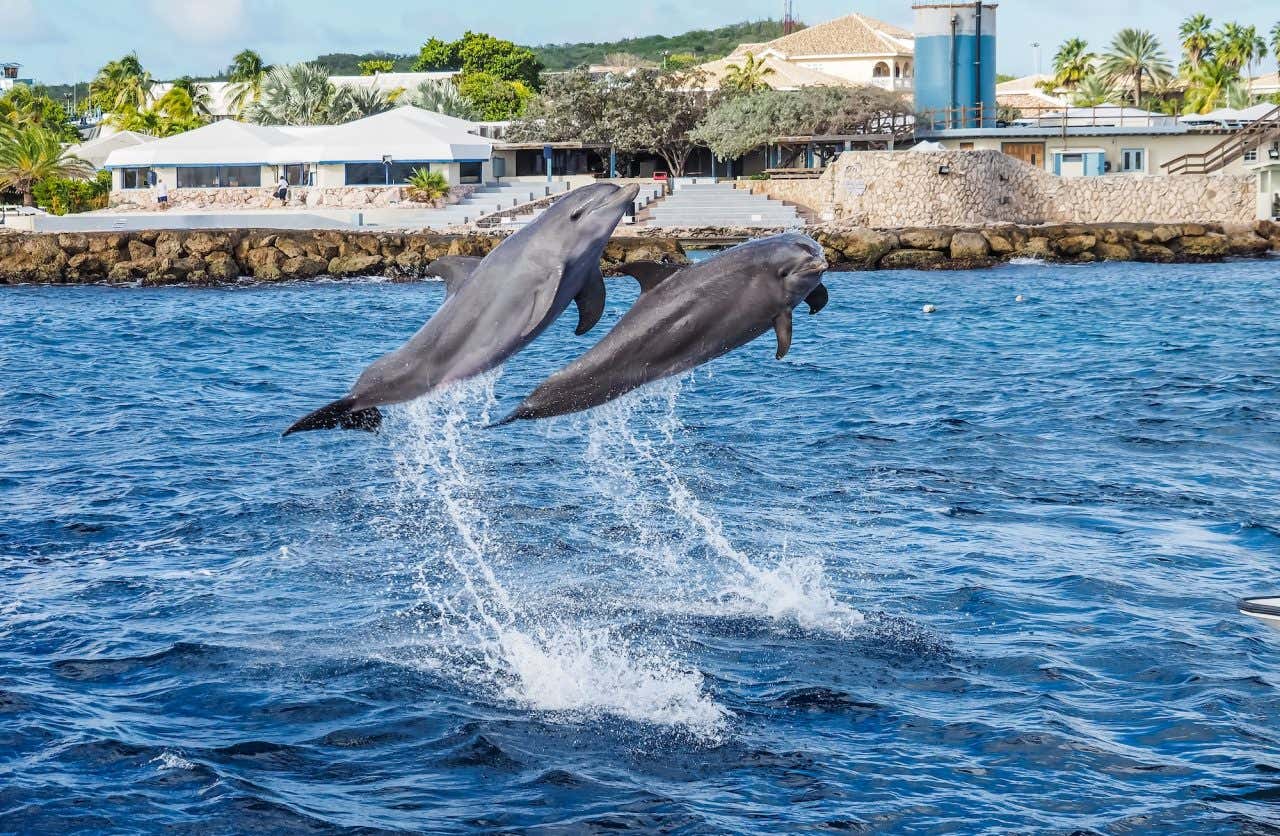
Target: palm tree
point(1209, 86)
point(121, 85)
point(296, 94)
point(1239, 46)
point(1093, 90)
point(197, 94)
point(1135, 55)
point(245, 74)
point(1197, 39)
point(442, 96)
point(1275, 42)
point(748, 78)
point(29, 154)
point(352, 103)
point(1072, 64)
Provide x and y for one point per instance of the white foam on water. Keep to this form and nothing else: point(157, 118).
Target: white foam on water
point(483, 632)
point(172, 760)
point(793, 590)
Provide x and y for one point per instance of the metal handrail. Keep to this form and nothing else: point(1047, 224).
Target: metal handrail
point(1206, 162)
point(1054, 116)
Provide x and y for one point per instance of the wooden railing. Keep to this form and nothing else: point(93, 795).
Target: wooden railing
point(1256, 133)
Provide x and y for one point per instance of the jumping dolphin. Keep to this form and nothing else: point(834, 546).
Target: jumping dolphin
point(686, 317)
point(493, 307)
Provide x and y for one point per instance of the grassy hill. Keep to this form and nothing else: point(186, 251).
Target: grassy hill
point(706, 44)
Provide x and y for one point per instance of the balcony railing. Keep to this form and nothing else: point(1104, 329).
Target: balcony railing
point(895, 84)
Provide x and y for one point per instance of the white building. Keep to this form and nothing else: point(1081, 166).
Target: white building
point(381, 150)
point(851, 50)
point(9, 73)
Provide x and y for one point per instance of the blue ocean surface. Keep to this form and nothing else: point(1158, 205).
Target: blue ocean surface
point(972, 572)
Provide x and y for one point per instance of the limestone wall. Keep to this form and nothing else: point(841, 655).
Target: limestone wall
point(333, 197)
point(906, 188)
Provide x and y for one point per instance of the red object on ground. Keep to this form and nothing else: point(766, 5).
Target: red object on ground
point(660, 176)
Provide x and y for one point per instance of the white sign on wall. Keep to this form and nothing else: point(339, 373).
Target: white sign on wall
point(855, 187)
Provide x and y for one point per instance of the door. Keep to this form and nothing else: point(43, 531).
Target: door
point(1031, 153)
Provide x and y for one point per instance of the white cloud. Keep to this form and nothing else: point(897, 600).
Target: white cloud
point(200, 21)
point(23, 23)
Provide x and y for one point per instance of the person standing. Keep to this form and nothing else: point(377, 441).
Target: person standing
point(282, 190)
point(162, 196)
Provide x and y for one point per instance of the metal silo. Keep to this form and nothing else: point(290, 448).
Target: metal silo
point(955, 83)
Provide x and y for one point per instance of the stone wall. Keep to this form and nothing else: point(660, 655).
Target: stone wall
point(203, 257)
point(300, 197)
point(901, 188)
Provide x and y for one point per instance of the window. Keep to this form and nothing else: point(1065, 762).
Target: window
point(135, 178)
point(881, 70)
point(215, 177)
point(297, 175)
point(366, 174)
point(202, 177)
point(1133, 160)
point(966, 146)
point(470, 172)
point(399, 173)
point(1251, 156)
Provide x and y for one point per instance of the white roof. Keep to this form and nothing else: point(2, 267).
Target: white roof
point(95, 151)
point(386, 82)
point(406, 134)
point(1228, 114)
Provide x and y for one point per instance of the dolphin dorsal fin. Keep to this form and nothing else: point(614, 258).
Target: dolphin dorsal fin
point(453, 270)
point(817, 299)
point(650, 274)
point(590, 303)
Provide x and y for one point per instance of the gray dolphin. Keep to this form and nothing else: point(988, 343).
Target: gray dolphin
point(686, 317)
point(493, 307)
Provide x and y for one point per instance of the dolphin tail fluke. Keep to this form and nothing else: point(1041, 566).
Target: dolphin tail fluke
point(339, 415)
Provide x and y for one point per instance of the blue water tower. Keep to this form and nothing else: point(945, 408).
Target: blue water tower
point(956, 64)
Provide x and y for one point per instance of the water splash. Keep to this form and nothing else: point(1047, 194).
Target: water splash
point(513, 643)
point(795, 589)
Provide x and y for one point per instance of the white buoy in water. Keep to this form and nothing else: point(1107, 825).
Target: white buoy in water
point(1020, 298)
point(1266, 610)
point(930, 309)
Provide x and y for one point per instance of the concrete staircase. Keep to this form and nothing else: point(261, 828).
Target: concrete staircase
point(720, 204)
point(486, 200)
point(648, 194)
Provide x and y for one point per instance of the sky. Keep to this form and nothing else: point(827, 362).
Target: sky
point(59, 41)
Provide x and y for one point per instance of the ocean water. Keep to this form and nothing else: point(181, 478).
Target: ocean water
point(970, 572)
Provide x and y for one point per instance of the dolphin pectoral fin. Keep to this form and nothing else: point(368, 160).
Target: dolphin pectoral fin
point(649, 274)
point(339, 414)
point(453, 270)
point(817, 299)
point(782, 324)
point(590, 304)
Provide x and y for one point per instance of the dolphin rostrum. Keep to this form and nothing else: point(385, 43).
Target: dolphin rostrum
point(493, 307)
point(686, 317)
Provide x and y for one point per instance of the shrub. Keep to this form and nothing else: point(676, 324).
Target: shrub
point(427, 186)
point(64, 196)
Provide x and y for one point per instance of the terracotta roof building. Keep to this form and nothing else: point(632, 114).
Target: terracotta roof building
point(851, 50)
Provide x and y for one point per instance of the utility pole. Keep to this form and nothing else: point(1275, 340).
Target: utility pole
point(1035, 45)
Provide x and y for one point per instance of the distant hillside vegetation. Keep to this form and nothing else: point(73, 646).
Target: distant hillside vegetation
point(346, 63)
point(706, 44)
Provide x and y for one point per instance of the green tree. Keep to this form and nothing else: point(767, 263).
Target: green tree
point(245, 74)
point(1196, 33)
point(1239, 46)
point(494, 98)
point(655, 112)
point(572, 106)
point(121, 86)
point(24, 106)
point(1275, 42)
point(352, 103)
point(751, 76)
point(436, 55)
point(441, 96)
point(680, 61)
point(30, 154)
point(1072, 64)
point(295, 94)
point(1209, 85)
point(373, 66)
point(1135, 56)
point(197, 93)
point(481, 53)
point(1094, 90)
